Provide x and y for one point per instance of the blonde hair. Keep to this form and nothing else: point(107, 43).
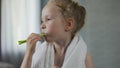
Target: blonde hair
point(70, 8)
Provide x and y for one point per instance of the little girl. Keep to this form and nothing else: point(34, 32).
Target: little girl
point(63, 46)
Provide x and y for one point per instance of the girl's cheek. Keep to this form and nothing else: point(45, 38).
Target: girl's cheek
point(49, 29)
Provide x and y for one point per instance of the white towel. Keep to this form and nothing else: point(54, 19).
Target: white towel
point(74, 57)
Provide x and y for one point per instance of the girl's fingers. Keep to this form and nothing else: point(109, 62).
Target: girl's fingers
point(31, 42)
point(34, 36)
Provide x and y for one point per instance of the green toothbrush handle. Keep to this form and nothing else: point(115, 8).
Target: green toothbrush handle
point(24, 41)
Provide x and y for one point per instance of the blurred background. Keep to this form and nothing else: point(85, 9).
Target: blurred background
point(20, 18)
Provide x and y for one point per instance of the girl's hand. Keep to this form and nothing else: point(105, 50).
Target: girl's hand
point(31, 42)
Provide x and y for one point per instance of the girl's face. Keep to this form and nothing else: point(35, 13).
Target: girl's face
point(53, 23)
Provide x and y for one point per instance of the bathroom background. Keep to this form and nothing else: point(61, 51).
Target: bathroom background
point(101, 32)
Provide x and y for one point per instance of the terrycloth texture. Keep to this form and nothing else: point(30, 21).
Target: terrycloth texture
point(74, 57)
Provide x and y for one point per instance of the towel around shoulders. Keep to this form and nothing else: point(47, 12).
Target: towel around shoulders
point(74, 57)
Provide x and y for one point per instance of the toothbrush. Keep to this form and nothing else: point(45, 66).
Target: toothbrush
point(24, 41)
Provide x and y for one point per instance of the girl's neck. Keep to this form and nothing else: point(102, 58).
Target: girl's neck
point(61, 45)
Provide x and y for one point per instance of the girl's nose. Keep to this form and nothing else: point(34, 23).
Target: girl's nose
point(43, 26)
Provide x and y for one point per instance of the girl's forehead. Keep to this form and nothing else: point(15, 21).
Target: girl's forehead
point(50, 9)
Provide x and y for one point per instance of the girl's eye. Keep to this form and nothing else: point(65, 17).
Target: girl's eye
point(48, 19)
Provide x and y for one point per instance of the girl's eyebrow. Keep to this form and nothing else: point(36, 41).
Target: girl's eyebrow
point(49, 15)
point(45, 16)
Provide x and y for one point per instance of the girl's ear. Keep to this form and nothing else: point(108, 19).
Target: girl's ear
point(70, 24)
